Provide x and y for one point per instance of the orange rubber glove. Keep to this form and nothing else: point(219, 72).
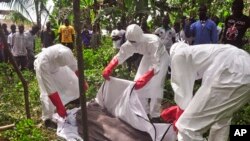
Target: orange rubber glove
point(171, 115)
point(108, 70)
point(143, 80)
point(56, 100)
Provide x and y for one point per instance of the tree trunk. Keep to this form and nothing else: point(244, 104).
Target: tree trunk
point(38, 12)
point(77, 25)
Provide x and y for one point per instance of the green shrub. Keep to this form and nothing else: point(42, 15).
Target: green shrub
point(98, 58)
point(242, 117)
point(168, 92)
point(25, 130)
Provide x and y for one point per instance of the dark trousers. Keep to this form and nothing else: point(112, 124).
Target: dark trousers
point(6, 56)
point(134, 61)
point(21, 62)
point(69, 45)
point(1, 55)
point(30, 64)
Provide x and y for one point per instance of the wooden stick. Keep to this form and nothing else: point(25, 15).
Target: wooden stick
point(6, 127)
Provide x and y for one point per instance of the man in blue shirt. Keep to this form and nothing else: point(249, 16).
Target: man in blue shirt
point(204, 30)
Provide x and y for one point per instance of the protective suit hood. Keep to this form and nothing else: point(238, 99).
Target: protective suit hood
point(177, 46)
point(160, 32)
point(115, 33)
point(61, 59)
point(134, 33)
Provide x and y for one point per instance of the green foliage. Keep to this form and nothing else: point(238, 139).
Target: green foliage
point(168, 91)
point(16, 17)
point(95, 60)
point(10, 97)
point(242, 117)
point(38, 44)
point(12, 94)
point(246, 47)
point(25, 130)
point(86, 3)
point(12, 105)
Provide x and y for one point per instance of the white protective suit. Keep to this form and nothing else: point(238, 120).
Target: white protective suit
point(55, 71)
point(154, 57)
point(225, 73)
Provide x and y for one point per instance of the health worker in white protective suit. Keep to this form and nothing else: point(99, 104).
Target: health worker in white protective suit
point(56, 73)
point(225, 88)
point(152, 70)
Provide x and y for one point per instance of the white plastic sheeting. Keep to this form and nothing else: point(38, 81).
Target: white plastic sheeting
point(67, 128)
point(121, 100)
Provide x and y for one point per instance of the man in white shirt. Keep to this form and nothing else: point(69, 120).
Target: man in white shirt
point(166, 33)
point(30, 45)
point(19, 50)
point(13, 31)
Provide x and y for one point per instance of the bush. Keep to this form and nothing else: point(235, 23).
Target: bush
point(25, 130)
point(95, 60)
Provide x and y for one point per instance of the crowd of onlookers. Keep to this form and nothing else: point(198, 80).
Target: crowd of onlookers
point(21, 45)
point(204, 30)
